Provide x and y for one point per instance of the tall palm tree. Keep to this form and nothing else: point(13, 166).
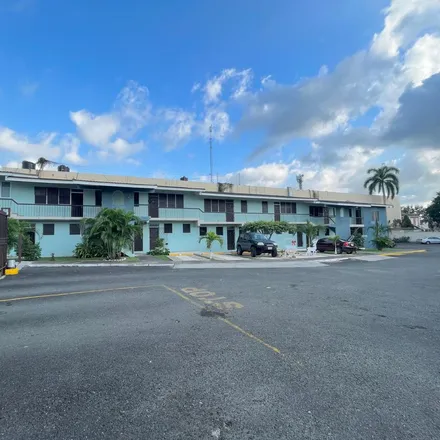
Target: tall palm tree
point(41, 163)
point(210, 238)
point(383, 180)
point(311, 230)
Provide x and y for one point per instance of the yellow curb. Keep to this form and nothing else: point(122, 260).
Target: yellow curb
point(190, 254)
point(12, 271)
point(398, 254)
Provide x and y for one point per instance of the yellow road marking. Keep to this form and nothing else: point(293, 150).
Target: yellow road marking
point(226, 321)
point(250, 335)
point(398, 254)
point(50, 295)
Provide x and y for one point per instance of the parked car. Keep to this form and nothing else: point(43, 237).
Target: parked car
point(325, 244)
point(431, 240)
point(256, 244)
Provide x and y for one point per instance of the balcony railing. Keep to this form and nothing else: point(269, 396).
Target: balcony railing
point(32, 211)
point(357, 220)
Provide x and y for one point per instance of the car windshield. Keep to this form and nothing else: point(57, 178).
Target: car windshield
point(258, 237)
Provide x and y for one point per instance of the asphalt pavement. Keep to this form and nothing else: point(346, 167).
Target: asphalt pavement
point(348, 350)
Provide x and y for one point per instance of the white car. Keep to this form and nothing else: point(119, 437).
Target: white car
point(431, 240)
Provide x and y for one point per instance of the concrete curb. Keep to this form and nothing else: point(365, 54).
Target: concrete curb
point(101, 265)
point(400, 253)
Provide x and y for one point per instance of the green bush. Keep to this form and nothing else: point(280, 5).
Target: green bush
point(88, 250)
point(358, 240)
point(160, 248)
point(29, 250)
point(401, 239)
point(381, 242)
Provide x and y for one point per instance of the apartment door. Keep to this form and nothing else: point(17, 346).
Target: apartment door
point(154, 235)
point(77, 204)
point(358, 214)
point(231, 239)
point(326, 216)
point(277, 212)
point(229, 210)
point(153, 206)
point(139, 242)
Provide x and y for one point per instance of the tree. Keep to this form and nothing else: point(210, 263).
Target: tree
point(383, 180)
point(109, 233)
point(335, 239)
point(380, 235)
point(433, 212)
point(406, 222)
point(310, 230)
point(210, 238)
point(18, 234)
point(269, 227)
point(42, 163)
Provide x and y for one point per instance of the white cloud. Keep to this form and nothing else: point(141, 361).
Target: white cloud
point(178, 127)
point(95, 130)
point(28, 89)
point(110, 131)
point(213, 88)
point(70, 145)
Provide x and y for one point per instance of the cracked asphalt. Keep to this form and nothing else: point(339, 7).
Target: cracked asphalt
point(345, 351)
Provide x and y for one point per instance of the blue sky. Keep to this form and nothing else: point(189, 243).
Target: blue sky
point(132, 87)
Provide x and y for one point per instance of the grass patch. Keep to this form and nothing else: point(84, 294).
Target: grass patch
point(84, 260)
point(162, 257)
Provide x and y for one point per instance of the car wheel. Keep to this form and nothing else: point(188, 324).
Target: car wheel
point(428, 242)
point(339, 250)
point(349, 252)
point(253, 251)
point(274, 253)
point(239, 250)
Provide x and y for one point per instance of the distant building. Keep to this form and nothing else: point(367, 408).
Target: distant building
point(179, 211)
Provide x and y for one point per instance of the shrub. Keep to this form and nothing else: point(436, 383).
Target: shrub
point(29, 250)
point(401, 239)
point(358, 240)
point(406, 222)
point(88, 250)
point(160, 248)
point(380, 242)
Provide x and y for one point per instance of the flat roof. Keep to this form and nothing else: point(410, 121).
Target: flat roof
point(206, 189)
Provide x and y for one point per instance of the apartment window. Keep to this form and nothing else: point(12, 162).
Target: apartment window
point(74, 229)
point(170, 200)
point(327, 231)
point(40, 195)
point(136, 198)
point(244, 206)
point(375, 216)
point(288, 208)
point(52, 196)
point(214, 205)
point(48, 229)
point(64, 196)
point(168, 228)
point(264, 207)
point(186, 228)
point(98, 197)
point(203, 230)
point(219, 230)
point(6, 190)
point(316, 211)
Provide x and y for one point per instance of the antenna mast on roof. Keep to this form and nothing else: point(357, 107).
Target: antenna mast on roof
point(300, 180)
point(210, 152)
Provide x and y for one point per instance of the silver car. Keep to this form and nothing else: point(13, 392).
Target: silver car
point(431, 240)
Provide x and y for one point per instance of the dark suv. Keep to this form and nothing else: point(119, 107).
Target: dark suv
point(325, 244)
point(256, 244)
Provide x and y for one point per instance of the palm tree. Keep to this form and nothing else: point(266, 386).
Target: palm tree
point(112, 230)
point(335, 239)
point(311, 230)
point(41, 163)
point(383, 180)
point(210, 238)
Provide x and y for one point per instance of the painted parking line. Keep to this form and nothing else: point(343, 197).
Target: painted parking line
point(400, 253)
point(226, 321)
point(81, 292)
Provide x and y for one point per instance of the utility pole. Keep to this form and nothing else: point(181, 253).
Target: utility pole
point(210, 152)
point(300, 180)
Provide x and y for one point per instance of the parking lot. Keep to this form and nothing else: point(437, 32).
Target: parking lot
point(347, 350)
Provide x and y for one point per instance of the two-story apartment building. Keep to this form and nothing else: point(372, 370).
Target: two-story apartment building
point(178, 211)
